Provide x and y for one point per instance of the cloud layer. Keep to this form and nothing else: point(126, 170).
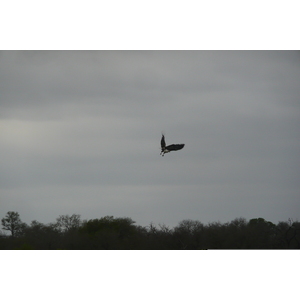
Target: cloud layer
point(80, 133)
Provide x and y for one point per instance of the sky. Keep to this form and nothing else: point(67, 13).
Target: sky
point(80, 134)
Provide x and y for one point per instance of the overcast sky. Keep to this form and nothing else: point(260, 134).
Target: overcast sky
point(80, 133)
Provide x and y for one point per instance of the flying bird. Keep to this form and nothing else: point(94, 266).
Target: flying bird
point(166, 149)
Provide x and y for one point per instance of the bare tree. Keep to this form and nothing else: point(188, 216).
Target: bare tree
point(13, 223)
point(66, 222)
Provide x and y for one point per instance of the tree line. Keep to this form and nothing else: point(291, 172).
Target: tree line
point(109, 233)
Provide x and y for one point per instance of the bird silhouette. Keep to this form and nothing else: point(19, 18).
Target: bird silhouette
point(166, 149)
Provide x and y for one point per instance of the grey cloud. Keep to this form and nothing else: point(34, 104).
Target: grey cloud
point(80, 132)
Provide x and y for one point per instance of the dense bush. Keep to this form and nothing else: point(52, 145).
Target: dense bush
point(109, 233)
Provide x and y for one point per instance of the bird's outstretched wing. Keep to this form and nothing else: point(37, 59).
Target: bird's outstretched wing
point(162, 142)
point(175, 147)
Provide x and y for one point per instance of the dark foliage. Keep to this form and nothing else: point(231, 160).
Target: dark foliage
point(109, 233)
